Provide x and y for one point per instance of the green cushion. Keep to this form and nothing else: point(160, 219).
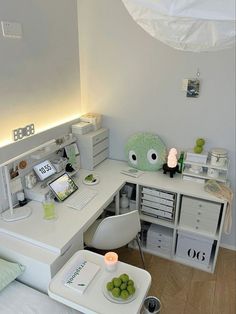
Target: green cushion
point(8, 272)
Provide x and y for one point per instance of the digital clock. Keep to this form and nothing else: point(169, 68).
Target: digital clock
point(44, 170)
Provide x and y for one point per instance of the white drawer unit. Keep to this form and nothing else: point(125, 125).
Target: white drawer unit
point(158, 203)
point(199, 215)
point(159, 239)
point(195, 249)
point(93, 147)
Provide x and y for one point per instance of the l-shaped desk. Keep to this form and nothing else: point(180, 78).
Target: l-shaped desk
point(45, 246)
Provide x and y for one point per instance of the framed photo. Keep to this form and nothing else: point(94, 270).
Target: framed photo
point(193, 88)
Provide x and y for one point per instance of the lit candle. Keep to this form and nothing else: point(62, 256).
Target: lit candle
point(111, 259)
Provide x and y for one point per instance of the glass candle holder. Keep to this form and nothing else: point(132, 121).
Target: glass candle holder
point(111, 260)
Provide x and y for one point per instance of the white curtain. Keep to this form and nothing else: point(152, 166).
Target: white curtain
point(190, 25)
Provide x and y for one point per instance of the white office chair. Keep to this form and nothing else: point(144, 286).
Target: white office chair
point(114, 232)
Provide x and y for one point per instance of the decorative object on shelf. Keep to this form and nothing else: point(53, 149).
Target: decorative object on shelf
point(124, 201)
point(181, 161)
point(145, 151)
point(218, 157)
point(14, 172)
point(187, 25)
point(30, 180)
point(21, 199)
point(171, 166)
point(111, 261)
point(22, 164)
point(198, 148)
point(69, 168)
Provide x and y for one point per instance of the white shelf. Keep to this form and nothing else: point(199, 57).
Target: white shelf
point(207, 165)
point(221, 177)
point(158, 221)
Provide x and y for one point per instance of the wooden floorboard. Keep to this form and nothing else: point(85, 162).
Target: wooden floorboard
point(185, 290)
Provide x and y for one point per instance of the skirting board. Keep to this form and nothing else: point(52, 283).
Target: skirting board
point(229, 247)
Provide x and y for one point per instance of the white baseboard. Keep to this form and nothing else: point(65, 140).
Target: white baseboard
point(229, 247)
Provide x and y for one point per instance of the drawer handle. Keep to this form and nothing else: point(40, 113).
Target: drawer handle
point(198, 220)
point(199, 213)
point(200, 205)
point(196, 227)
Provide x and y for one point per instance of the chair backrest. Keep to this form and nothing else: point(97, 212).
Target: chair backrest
point(116, 231)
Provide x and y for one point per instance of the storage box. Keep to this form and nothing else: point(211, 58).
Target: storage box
point(94, 118)
point(82, 128)
point(194, 248)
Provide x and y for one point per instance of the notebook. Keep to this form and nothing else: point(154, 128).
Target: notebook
point(81, 275)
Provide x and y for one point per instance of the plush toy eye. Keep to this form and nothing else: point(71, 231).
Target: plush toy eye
point(152, 156)
point(133, 157)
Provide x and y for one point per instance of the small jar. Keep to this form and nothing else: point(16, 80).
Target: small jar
point(218, 157)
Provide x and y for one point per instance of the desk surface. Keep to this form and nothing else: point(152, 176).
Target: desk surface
point(54, 235)
point(94, 292)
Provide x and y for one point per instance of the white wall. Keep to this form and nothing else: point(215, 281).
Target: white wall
point(39, 74)
point(135, 82)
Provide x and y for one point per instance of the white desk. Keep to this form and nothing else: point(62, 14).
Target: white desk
point(30, 241)
point(93, 301)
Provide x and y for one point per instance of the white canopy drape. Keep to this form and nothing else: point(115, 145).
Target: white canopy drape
point(190, 25)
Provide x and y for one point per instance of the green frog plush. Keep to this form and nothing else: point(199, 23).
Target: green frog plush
point(145, 151)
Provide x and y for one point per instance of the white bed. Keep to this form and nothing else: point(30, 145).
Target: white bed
point(18, 298)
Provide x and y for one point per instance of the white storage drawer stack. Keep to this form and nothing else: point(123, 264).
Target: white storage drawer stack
point(158, 203)
point(93, 147)
point(194, 248)
point(159, 239)
point(199, 215)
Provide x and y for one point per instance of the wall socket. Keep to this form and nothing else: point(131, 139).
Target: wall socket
point(20, 133)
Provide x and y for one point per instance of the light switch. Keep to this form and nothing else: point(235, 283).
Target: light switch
point(11, 29)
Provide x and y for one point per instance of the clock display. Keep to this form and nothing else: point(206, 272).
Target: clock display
point(44, 170)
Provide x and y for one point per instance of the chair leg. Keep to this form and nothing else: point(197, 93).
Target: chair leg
point(140, 250)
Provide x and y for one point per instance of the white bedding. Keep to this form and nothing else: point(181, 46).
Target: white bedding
point(18, 298)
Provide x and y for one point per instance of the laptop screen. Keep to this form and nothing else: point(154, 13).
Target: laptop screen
point(63, 187)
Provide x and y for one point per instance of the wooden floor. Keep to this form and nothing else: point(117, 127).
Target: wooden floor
point(185, 290)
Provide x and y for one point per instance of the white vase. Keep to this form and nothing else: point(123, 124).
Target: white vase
point(124, 201)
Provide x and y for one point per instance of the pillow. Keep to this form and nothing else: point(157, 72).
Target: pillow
point(8, 272)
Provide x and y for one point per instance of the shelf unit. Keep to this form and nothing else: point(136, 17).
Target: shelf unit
point(217, 173)
point(217, 213)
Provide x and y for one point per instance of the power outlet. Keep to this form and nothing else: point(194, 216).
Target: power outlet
point(11, 29)
point(19, 133)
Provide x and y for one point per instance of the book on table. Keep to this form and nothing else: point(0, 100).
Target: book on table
point(81, 275)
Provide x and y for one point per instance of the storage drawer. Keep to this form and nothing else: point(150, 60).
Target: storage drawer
point(154, 192)
point(99, 137)
point(100, 146)
point(196, 249)
point(158, 206)
point(156, 212)
point(100, 157)
point(158, 200)
point(159, 248)
point(194, 205)
point(198, 223)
